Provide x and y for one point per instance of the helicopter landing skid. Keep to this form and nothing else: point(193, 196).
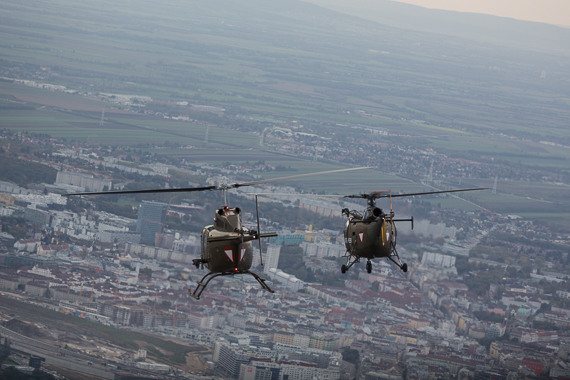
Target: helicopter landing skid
point(210, 276)
point(350, 261)
point(399, 263)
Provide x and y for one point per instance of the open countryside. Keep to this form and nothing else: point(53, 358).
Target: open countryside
point(192, 94)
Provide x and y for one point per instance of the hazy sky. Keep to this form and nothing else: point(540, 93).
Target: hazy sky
point(555, 12)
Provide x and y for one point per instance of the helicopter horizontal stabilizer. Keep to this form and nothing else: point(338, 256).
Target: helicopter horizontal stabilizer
point(244, 237)
point(268, 234)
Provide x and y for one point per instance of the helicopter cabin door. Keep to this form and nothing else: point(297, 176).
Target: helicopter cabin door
point(204, 254)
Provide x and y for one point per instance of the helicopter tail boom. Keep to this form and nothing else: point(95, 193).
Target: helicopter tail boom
point(266, 235)
point(249, 236)
point(411, 220)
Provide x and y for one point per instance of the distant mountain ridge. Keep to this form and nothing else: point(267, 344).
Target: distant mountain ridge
point(480, 27)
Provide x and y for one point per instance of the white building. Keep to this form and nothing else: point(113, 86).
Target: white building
point(438, 260)
point(285, 279)
point(85, 181)
point(271, 257)
point(323, 249)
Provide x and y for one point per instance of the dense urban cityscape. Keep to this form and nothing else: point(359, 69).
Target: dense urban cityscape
point(459, 312)
point(281, 124)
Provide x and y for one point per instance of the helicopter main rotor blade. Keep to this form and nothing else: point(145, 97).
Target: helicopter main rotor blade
point(432, 192)
point(371, 195)
point(236, 185)
point(385, 194)
point(220, 187)
point(146, 191)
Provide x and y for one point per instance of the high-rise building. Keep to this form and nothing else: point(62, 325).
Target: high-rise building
point(150, 221)
point(271, 257)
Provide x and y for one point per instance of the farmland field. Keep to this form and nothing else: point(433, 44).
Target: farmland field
point(213, 77)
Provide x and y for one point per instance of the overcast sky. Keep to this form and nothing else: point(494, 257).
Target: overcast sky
point(555, 12)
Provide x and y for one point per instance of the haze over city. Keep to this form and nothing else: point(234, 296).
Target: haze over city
point(209, 96)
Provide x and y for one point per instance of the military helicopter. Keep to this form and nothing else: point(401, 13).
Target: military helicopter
point(373, 234)
point(226, 245)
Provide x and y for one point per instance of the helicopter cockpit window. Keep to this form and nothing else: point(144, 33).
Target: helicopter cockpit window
point(373, 213)
point(204, 237)
point(227, 219)
point(204, 240)
point(221, 222)
point(233, 220)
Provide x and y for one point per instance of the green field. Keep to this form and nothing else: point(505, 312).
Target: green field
point(255, 60)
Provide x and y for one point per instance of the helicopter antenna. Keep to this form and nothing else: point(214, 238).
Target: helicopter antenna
point(258, 231)
point(225, 196)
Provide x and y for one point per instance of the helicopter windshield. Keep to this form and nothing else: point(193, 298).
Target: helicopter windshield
point(227, 219)
point(373, 213)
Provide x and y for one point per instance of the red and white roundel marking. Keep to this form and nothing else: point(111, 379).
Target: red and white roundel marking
point(229, 254)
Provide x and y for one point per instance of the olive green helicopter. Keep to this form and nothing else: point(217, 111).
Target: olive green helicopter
point(226, 245)
point(373, 234)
